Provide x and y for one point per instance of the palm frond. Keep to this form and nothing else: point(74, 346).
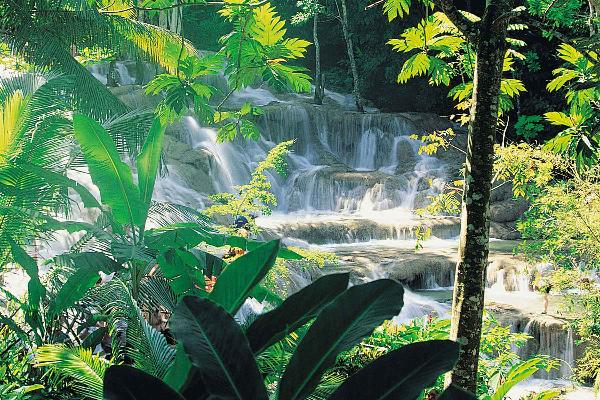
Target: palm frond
point(163, 214)
point(144, 344)
point(77, 365)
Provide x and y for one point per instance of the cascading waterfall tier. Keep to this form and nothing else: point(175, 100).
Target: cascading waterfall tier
point(354, 180)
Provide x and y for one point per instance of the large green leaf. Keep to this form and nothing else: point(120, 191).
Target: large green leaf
point(148, 161)
point(180, 267)
point(112, 176)
point(239, 278)
point(122, 382)
point(295, 311)
point(218, 348)
point(184, 377)
point(87, 266)
point(339, 327)
point(35, 290)
point(402, 373)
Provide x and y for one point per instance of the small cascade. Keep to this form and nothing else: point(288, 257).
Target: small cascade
point(550, 336)
point(354, 180)
point(417, 306)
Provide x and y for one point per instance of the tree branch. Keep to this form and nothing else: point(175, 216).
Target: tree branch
point(467, 27)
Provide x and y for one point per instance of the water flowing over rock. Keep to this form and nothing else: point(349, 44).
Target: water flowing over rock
point(354, 181)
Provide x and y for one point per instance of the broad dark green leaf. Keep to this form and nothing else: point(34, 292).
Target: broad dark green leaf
point(179, 235)
point(87, 266)
point(453, 392)
point(249, 245)
point(239, 278)
point(35, 290)
point(216, 346)
point(148, 161)
point(295, 311)
point(122, 382)
point(402, 373)
point(112, 176)
point(211, 265)
point(340, 326)
point(180, 267)
point(185, 378)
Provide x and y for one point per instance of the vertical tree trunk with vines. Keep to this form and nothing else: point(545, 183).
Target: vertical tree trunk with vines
point(468, 297)
point(350, 49)
point(319, 86)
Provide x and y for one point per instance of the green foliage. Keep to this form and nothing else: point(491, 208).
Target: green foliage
point(566, 14)
point(529, 169)
point(579, 138)
point(233, 123)
point(184, 89)
point(112, 176)
point(500, 367)
point(16, 377)
point(255, 50)
point(220, 353)
point(440, 52)
point(79, 365)
point(47, 34)
point(399, 8)
point(254, 198)
point(529, 126)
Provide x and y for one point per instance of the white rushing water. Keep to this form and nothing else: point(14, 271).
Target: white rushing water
point(353, 182)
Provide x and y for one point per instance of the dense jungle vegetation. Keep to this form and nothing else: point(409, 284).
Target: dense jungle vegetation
point(157, 300)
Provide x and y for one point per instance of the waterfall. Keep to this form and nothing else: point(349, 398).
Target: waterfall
point(354, 180)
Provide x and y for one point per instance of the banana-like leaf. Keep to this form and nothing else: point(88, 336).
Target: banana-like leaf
point(184, 377)
point(340, 326)
point(241, 276)
point(112, 176)
point(148, 161)
point(402, 373)
point(217, 346)
point(295, 311)
point(35, 290)
point(87, 266)
point(122, 382)
point(180, 267)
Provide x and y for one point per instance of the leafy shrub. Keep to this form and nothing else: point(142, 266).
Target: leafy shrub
point(529, 126)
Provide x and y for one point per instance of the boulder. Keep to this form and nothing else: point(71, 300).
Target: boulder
point(508, 210)
point(504, 231)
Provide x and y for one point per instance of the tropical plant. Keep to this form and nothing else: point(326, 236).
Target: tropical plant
point(216, 357)
point(500, 367)
point(254, 198)
point(441, 53)
point(256, 50)
point(48, 34)
point(580, 138)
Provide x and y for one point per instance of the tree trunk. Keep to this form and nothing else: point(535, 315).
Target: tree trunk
point(319, 87)
point(594, 15)
point(468, 297)
point(350, 49)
